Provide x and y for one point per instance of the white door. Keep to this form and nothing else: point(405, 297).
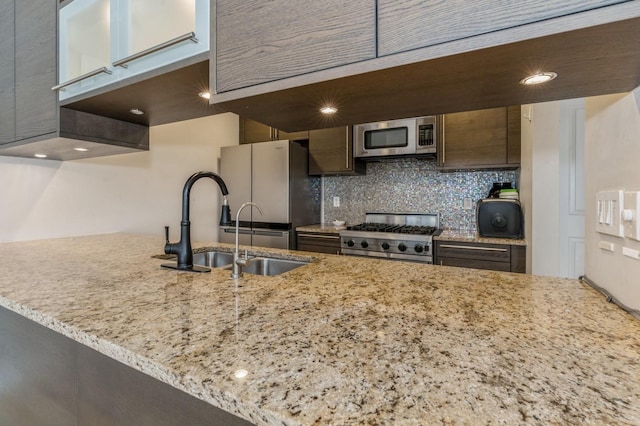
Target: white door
point(571, 189)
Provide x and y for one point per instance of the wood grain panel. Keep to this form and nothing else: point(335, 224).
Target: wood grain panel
point(474, 138)
point(258, 41)
point(592, 61)
point(38, 381)
point(514, 134)
point(320, 243)
point(7, 72)
point(331, 152)
point(36, 68)
point(474, 263)
point(411, 24)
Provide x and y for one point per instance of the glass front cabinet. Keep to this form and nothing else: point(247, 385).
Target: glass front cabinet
point(103, 41)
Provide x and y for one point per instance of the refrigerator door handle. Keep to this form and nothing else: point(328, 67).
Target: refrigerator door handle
point(269, 233)
point(240, 231)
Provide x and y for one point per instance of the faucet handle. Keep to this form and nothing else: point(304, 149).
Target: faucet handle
point(166, 233)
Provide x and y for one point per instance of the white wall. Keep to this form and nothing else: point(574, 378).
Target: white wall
point(612, 155)
point(138, 192)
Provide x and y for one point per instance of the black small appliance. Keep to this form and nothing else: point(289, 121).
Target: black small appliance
point(499, 218)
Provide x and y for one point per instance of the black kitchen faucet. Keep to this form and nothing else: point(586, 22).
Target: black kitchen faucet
point(183, 248)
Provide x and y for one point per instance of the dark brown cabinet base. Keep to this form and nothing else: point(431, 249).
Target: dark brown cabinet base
point(319, 242)
point(495, 257)
point(49, 379)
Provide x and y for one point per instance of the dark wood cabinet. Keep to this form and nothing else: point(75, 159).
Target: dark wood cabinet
point(488, 138)
point(319, 242)
point(7, 72)
point(252, 131)
point(49, 379)
point(496, 257)
point(257, 42)
point(331, 152)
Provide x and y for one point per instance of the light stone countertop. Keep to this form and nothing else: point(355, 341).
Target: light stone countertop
point(343, 340)
point(474, 237)
point(447, 235)
point(319, 228)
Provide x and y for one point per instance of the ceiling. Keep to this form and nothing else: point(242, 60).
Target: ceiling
point(597, 60)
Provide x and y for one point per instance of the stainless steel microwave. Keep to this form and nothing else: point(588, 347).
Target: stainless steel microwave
point(410, 136)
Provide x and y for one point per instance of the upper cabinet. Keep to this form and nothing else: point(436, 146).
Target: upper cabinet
point(27, 69)
point(331, 153)
point(7, 72)
point(103, 41)
point(407, 58)
point(258, 42)
point(252, 132)
point(31, 121)
point(412, 24)
point(488, 138)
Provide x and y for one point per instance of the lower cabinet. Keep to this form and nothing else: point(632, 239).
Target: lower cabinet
point(496, 257)
point(319, 242)
point(49, 379)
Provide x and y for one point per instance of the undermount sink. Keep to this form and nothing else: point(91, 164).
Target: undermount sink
point(270, 267)
point(213, 259)
point(266, 266)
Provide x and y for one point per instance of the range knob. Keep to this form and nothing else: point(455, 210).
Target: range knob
point(418, 248)
point(351, 243)
point(364, 244)
point(402, 247)
point(385, 246)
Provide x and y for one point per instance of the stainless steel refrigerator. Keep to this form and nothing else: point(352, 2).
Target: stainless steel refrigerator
point(273, 175)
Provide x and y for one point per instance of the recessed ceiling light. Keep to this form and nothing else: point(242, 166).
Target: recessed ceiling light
point(81, 149)
point(538, 78)
point(205, 95)
point(328, 110)
point(136, 111)
point(40, 155)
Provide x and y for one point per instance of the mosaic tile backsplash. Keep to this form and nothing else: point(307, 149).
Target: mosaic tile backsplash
point(411, 186)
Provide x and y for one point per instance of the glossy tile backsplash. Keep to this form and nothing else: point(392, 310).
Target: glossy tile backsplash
point(411, 185)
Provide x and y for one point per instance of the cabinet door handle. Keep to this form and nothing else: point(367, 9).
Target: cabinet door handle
point(123, 62)
point(444, 150)
point(326, 237)
point(346, 145)
point(80, 78)
point(472, 248)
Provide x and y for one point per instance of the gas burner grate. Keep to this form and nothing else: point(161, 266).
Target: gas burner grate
point(392, 228)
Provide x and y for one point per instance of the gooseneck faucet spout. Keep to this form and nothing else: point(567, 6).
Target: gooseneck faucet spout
point(239, 262)
point(183, 248)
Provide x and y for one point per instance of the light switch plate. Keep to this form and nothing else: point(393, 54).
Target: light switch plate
point(630, 216)
point(609, 213)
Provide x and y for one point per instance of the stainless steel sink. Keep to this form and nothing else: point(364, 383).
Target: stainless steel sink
point(269, 266)
point(266, 266)
point(213, 259)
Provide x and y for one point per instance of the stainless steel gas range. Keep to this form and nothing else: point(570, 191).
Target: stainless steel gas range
point(399, 236)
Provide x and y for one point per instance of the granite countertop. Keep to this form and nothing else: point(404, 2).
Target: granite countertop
point(343, 340)
point(321, 228)
point(447, 235)
point(474, 237)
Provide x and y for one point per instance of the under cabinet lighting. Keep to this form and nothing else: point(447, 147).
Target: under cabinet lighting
point(205, 95)
point(80, 149)
point(328, 110)
point(538, 78)
point(136, 111)
point(40, 155)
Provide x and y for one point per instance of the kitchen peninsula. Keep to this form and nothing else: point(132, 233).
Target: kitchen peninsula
point(342, 340)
